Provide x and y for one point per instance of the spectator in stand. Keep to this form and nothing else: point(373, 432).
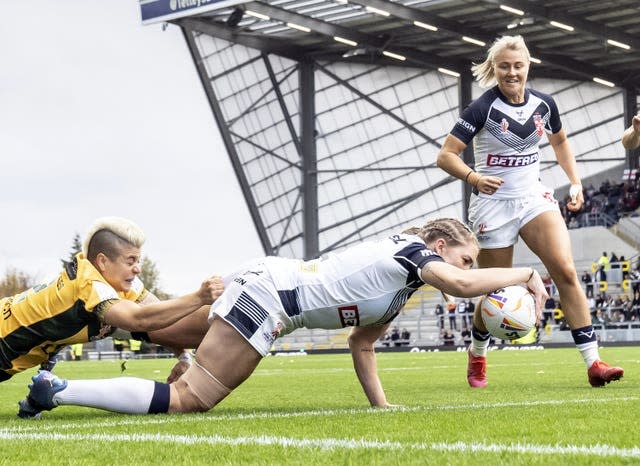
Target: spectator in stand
point(623, 263)
point(547, 314)
point(627, 308)
point(548, 285)
point(386, 339)
point(634, 278)
point(600, 318)
point(470, 308)
point(395, 336)
point(635, 306)
point(465, 334)
point(603, 260)
point(405, 336)
point(461, 310)
point(440, 315)
point(587, 279)
point(601, 275)
point(449, 338)
point(451, 310)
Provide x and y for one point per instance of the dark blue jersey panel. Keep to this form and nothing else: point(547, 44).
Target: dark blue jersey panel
point(413, 257)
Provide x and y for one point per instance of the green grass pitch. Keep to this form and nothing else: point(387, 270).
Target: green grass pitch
point(537, 410)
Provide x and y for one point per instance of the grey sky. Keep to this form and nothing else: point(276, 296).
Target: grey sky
point(100, 115)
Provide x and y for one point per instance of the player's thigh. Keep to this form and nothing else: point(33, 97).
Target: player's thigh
point(548, 238)
point(498, 257)
point(226, 354)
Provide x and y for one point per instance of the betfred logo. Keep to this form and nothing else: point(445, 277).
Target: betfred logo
point(501, 160)
point(349, 316)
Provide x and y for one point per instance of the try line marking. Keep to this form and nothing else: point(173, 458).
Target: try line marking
point(333, 444)
point(43, 426)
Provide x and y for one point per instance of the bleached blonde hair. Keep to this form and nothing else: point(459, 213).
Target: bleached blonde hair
point(107, 234)
point(484, 72)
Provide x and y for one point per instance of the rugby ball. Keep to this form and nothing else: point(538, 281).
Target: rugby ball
point(509, 313)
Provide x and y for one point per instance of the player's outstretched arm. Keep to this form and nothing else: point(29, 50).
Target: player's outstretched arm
point(631, 136)
point(475, 282)
point(361, 340)
point(131, 316)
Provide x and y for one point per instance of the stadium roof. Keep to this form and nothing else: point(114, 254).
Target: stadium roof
point(333, 112)
point(572, 39)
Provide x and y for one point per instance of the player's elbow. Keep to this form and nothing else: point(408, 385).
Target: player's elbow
point(441, 160)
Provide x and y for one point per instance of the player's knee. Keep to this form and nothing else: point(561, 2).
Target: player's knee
point(198, 390)
point(188, 401)
point(565, 276)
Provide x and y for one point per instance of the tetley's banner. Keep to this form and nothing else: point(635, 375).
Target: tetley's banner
point(153, 11)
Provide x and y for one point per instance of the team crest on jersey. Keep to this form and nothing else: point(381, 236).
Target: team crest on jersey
point(537, 120)
point(504, 125)
point(481, 235)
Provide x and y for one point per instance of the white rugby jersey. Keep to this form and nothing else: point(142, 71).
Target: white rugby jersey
point(506, 137)
point(367, 284)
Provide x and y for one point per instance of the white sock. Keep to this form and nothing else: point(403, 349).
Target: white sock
point(122, 394)
point(589, 352)
point(479, 347)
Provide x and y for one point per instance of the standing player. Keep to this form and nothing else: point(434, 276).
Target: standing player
point(506, 124)
point(95, 294)
point(363, 287)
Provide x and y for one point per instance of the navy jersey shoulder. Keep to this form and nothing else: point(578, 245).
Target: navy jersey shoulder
point(472, 119)
point(413, 257)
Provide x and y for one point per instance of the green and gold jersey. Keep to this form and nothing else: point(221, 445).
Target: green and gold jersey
point(70, 309)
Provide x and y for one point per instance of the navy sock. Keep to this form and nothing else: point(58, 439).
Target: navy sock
point(160, 401)
point(584, 335)
point(478, 335)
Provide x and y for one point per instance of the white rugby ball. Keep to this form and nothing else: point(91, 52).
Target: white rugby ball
point(509, 313)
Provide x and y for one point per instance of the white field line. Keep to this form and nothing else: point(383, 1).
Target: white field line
point(334, 444)
point(280, 371)
point(39, 426)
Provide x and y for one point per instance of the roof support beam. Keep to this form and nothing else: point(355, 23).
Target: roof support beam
point(228, 140)
point(574, 67)
point(595, 29)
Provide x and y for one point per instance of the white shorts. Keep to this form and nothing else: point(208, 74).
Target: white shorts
point(497, 222)
point(251, 304)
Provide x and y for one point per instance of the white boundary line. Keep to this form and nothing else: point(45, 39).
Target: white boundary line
point(38, 425)
point(335, 444)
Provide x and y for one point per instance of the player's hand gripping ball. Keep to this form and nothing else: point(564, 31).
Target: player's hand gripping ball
point(509, 313)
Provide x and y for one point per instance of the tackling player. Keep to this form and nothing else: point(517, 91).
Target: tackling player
point(97, 293)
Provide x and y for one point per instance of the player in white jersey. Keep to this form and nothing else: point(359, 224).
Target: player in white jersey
point(506, 125)
point(363, 287)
